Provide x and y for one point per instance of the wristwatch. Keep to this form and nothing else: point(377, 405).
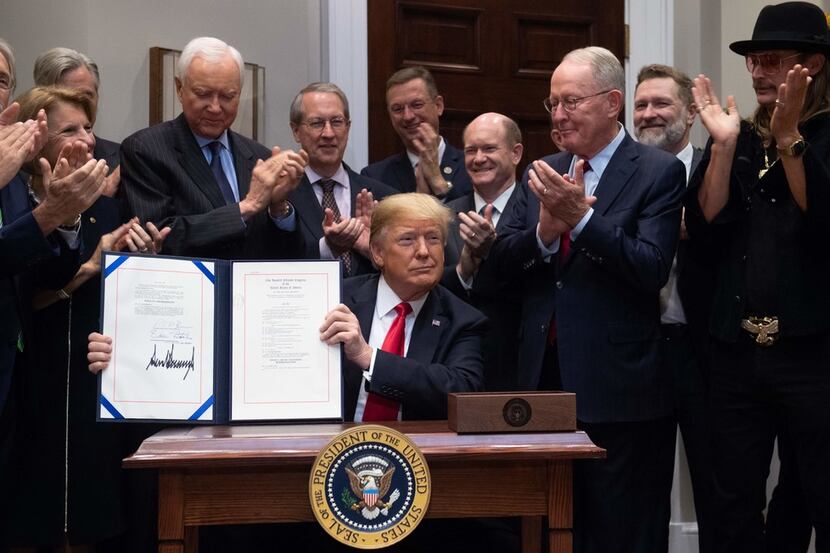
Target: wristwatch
point(797, 148)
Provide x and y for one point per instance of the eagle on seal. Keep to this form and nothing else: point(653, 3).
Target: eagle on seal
point(370, 487)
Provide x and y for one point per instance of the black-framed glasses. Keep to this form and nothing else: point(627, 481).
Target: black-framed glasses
point(337, 123)
point(570, 104)
point(770, 64)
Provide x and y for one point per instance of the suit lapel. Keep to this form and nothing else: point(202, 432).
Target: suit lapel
point(507, 208)
point(244, 161)
point(193, 161)
point(619, 171)
point(354, 188)
point(306, 203)
point(426, 334)
point(404, 173)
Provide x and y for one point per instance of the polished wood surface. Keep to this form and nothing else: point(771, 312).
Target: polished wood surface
point(487, 412)
point(259, 474)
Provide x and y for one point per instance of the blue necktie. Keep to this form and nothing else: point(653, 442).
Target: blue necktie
point(219, 174)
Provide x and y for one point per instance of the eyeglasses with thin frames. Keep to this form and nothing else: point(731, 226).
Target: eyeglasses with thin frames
point(770, 64)
point(570, 104)
point(337, 124)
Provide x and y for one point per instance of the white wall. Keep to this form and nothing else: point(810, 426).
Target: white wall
point(281, 35)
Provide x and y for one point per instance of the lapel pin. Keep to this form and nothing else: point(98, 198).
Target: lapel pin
point(447, 170)
point(436, 322)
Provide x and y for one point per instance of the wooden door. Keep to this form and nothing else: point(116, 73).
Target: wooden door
point(486, 55)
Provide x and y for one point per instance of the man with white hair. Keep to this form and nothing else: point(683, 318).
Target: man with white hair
point(223, 195)
point(590, 246)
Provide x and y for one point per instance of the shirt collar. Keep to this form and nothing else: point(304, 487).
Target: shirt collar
point(223, 138)
point(499, 204)
point(387, 299)
point(685, 155)
point(414, 158)
point(340, 176)
point(600, 161)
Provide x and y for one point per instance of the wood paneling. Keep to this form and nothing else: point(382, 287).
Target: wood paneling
point(486, 55)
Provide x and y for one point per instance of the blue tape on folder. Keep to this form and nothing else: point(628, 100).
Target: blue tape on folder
point(205, 270)
point(110, 407)
point(115, 264)
point(201, 410)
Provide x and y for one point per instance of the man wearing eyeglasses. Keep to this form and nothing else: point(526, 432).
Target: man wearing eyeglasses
point(334, 204)
point(222, 195)
point(760, 201)
point(590, 244)
point(429, 164)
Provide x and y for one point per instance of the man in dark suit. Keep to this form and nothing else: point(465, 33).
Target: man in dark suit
point(664, 112)
point(591, 245)
point(222, 195)
point(407, 341)
point(429, 164)
point(492, 150)
point(333, 203)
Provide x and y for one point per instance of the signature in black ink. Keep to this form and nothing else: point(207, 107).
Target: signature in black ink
point(170, 363)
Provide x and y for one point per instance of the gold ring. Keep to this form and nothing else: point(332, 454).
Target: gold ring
point(545, 191)
point(473, 235)
point(779, 103)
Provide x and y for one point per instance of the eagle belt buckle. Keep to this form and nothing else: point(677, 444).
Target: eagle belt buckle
point(765, 329)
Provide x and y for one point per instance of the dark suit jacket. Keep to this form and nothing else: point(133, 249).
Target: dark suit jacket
point(166, 179)
point(501, 306)
point(22, 246)
point(107, 150)
point(396, 171)
point(310, 214)
point(444, 353)
point(605, 297)
point(695, 283)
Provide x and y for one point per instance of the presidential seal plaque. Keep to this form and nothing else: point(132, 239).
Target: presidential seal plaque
point(369, 487)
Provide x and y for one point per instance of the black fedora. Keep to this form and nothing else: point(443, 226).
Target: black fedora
point(792, 25)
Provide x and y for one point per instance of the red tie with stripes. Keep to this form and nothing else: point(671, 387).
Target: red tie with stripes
point(379, 408)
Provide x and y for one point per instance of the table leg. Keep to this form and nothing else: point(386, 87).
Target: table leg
point(171, 512)
point(560, 506)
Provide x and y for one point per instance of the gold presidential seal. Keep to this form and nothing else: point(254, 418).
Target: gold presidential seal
point(369, 487)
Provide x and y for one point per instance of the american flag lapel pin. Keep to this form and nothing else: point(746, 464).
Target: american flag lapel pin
point(436, 322)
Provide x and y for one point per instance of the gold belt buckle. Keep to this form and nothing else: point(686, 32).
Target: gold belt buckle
point(765, 329)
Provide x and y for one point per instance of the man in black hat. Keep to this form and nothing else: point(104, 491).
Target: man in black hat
point(760, 203)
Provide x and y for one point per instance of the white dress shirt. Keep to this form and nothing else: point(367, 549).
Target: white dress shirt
point(382, 318)
point(342, 197)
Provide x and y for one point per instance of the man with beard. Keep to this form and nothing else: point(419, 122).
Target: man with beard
point(663, 117)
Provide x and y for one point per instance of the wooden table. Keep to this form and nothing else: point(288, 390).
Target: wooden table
point(259, 474)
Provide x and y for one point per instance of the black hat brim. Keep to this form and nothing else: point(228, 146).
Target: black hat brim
point(743, 47)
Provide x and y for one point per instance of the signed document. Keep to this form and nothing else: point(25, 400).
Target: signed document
point(159, 312)
point(280, 368)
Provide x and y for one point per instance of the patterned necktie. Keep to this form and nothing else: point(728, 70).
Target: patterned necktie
point(328, 202)
point(218, 173)
point(379, 408)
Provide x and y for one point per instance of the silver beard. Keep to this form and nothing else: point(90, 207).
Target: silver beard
point(663, 138)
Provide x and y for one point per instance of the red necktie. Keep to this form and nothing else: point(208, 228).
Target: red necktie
point(564, 253)
point(379, 408)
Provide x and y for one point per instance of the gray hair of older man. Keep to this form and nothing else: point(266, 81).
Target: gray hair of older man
point(7, 52)
point(296, 114)
point(211, 50)
point(51, 65)
point(606, 68)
